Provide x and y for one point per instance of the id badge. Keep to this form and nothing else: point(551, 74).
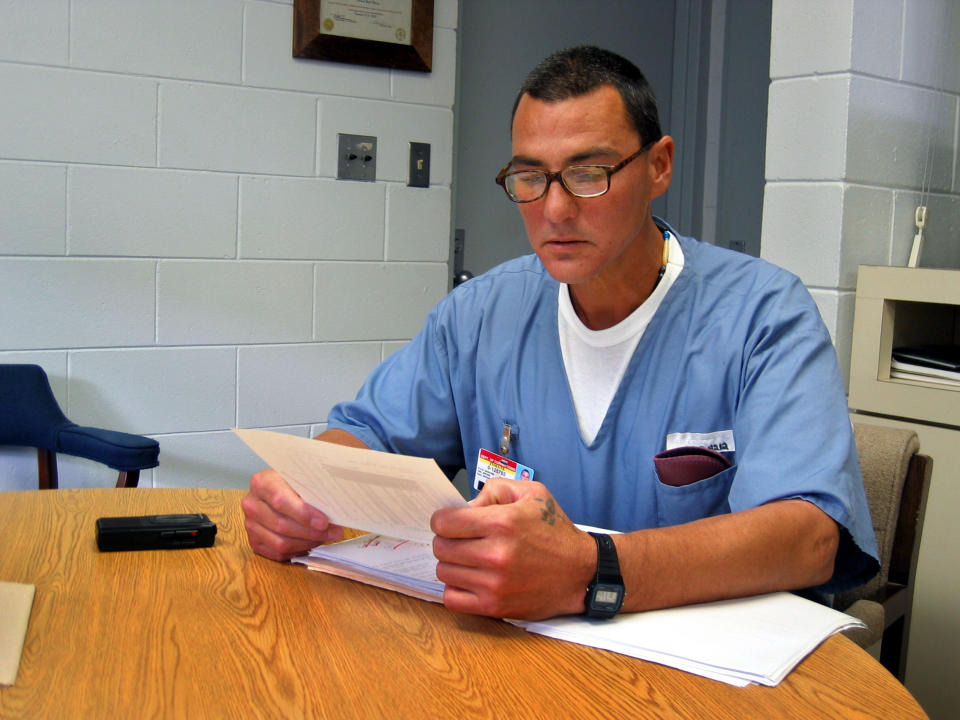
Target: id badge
point(491, 465)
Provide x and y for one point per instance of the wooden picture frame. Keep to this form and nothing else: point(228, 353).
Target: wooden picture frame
point(311, 41)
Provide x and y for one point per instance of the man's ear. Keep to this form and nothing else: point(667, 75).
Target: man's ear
point(661, 165)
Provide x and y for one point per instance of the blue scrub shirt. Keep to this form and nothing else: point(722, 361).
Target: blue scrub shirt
point(736, 345)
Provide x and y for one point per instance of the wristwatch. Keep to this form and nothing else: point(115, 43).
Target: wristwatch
point(605, 593)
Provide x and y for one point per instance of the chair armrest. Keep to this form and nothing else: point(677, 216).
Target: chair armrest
point(121, 451)
point(872, 615)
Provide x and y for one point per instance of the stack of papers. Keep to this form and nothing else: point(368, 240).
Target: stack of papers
point(753, 640)
point(927, 363)
point(919, 373)
point(404, 566)
point(750, 640)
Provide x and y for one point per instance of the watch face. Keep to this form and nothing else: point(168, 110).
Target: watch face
point(606, 598)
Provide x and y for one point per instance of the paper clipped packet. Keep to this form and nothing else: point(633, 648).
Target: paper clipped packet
point(403, 566)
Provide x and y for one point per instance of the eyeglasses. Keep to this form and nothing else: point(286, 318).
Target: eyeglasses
point(585, 181)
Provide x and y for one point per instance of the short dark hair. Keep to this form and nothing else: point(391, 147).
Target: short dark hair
point(578, 70)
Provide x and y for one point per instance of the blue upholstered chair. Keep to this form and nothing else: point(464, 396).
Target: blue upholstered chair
point(31, 417)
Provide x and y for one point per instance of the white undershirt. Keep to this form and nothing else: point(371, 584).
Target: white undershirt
point(596, 360)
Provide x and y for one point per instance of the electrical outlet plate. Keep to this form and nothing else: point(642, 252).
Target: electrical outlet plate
point(357, 159)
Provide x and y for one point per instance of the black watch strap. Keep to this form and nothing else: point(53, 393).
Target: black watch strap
point(605, 593)
point(608, 564)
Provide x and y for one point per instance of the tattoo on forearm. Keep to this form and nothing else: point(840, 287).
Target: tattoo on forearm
point(549, 511)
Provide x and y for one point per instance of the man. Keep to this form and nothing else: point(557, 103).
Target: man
point(616, 341)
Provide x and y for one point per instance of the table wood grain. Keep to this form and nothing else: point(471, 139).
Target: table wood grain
point(222, 633)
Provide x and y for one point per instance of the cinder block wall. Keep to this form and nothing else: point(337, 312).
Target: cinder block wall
point(174, 248)
point(863, 115)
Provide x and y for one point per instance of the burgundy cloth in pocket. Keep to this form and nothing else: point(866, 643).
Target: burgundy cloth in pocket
point(687, 465)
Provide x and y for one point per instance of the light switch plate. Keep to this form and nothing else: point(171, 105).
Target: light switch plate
point(419, 165)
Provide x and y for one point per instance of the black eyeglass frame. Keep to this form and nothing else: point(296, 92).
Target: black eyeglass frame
point(552, 175)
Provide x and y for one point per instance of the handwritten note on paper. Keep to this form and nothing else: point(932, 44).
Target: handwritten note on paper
point(393, 495)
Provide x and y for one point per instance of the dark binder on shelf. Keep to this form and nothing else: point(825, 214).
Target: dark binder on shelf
point(941, 357)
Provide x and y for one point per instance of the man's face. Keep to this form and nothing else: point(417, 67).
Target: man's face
point(584, 239)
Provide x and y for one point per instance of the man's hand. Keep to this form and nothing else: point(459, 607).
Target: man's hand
point(512, 553)
point(279, 524)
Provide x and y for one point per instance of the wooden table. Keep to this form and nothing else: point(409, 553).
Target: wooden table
point(221, 633)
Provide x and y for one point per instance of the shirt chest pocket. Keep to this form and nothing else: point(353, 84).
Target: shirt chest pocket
point(682, 504)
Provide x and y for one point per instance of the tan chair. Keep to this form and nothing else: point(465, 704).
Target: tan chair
point(897, 481)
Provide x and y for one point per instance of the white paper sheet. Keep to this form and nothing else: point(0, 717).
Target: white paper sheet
point(392, 495)
point(750, 640)
point(16, 601)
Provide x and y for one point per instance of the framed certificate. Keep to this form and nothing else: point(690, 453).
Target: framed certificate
point(386, 33)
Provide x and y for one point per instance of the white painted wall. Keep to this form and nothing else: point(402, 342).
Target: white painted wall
point(863, 114)
point(864, 111)
point(174, 250)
